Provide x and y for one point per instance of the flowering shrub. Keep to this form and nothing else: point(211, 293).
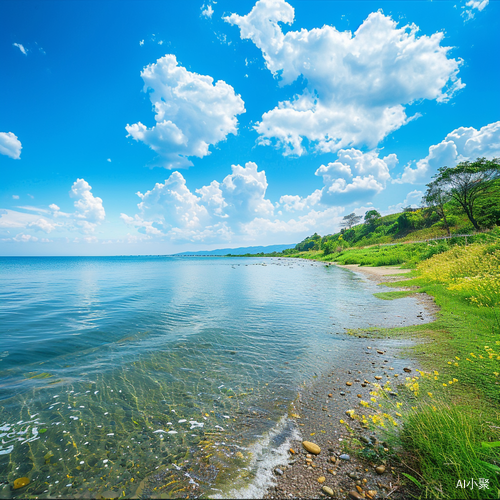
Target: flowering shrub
point(473, 270)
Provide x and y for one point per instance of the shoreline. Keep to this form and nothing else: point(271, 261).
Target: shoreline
point(322, 406)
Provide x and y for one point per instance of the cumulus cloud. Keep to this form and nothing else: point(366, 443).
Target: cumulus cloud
point(21, 48)
point(10, 145)
point(208, 11)
point(356, 85)
point(89, 209)
point(355, 176)
point(42, 225)
point(462, 144)
point(211, 213)
point(470, 8)
point(15, 196)
point(413, 199)
point(296, 203)
point(244, 192)
point(192, 113)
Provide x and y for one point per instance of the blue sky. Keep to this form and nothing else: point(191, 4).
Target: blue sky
point(159, 127)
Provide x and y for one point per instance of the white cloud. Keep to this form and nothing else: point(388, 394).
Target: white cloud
point(13, 219)
point(295, 203)
point(192, 112)
point(24, 238)
point(10, 145)
point(21, 48)
point(413, 199)
point(212, 213)
point(42, 225)
point(141, 43)
point(89, 209)
point(343, 187)
point(471, 6)
point(109, 160)
point(356, 85)
point(15, 196)
point(207, 11)
point(244, 192)
point(462, 144)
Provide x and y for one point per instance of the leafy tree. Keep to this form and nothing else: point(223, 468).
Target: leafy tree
point(372, 216)
point(351, 220)
point(467, 182)
point(435, 198)
point(310, 243)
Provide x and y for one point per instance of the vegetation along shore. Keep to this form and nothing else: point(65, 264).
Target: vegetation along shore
point(433, 429)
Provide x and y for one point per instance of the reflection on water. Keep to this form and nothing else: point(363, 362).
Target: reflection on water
point(162, 376)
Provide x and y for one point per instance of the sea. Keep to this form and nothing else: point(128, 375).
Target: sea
point(164, 376)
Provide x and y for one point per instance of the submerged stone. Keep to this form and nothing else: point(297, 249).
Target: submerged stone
point(21, 482)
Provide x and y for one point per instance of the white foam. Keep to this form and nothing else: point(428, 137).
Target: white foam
point(265, 458)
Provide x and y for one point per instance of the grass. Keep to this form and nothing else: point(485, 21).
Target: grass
point(450, 421)
point(394, 295)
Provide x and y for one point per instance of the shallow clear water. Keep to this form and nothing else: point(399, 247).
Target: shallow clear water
point(127, 374)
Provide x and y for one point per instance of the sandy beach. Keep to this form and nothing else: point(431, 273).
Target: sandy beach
point(322, 405)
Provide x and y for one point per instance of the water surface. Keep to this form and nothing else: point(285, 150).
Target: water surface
point(126, 374)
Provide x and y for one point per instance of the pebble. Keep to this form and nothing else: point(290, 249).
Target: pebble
point(380, 352)
point(278, 471)
point(342, 393)
point(330, 395)
point(354, 476)
point(360, 396)
point(321, 479)
point(378, 377)
point(348, 383)
point(333, 460)
point(311, 447)
point(292, 451)
point(327, 490)
point(380, 469)
point(407, 370)
point(355, 495)
point(345, 456)
point(372, 493)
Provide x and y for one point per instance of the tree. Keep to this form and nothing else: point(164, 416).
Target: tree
point(372, 217)
point(467, 182)
point(351, 220)
point(435, 198)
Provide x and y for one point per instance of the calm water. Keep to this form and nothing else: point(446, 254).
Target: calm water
point(128, 374)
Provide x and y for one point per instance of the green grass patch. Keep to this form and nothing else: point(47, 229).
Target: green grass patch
point(394, 295)
point(451, 424)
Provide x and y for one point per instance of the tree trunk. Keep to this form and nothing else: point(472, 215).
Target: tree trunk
point(445, 220)
point(471, 218)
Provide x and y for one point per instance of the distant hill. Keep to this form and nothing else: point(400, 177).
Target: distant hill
point(241, 250)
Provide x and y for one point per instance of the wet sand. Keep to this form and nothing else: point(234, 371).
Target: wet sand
point(320, 407)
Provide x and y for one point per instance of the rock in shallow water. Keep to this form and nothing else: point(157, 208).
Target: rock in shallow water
point(21, 482)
